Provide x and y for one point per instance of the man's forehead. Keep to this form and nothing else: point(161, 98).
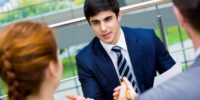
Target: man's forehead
point(102, 15)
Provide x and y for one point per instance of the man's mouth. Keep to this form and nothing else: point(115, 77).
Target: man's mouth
point(107, 35)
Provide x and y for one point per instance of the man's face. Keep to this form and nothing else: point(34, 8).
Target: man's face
point(106, 26)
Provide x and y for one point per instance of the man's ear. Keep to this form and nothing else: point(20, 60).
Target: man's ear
point(119, 16)
point(179, 16)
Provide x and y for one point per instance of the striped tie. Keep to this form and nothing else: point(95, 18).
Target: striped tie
point(124, 70)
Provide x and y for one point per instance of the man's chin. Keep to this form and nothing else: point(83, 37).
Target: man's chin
point(108, 42)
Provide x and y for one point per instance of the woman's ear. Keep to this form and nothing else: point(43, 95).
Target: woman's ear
point(51, 69)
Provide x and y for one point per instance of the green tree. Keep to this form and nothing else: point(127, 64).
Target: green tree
point(24, 3)
point(79, 2)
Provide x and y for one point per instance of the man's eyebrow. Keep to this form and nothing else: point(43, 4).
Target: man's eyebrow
point(108, 17)
point(94, 20)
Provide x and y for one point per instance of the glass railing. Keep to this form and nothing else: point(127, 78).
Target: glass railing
point(73, 35)
point(50, 11)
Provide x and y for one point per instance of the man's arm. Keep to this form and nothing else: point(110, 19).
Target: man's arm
point(163, 59)
point(89, 84)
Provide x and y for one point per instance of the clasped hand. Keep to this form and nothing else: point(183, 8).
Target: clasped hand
point(125, 91)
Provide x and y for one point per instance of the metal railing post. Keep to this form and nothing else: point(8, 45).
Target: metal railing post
point(182, 46)
point(160, 24)
point(72, 69)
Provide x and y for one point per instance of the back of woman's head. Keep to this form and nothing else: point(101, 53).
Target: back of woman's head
point(26, 48)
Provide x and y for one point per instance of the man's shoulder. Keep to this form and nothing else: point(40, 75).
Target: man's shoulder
point(138, 32)
point(124, 28)
point(185, 83)
point(88, 49)
point(85, 51)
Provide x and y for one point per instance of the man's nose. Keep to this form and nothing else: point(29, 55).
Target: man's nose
point(103, 27)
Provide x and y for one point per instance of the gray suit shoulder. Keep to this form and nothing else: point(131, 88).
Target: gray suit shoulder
point(185, 86)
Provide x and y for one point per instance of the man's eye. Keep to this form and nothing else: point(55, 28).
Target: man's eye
point(108, 19)
point(95, 23)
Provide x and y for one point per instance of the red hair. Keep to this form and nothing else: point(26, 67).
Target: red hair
point(26, 48)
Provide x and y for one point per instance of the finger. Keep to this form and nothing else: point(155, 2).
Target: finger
point(115, 94)
point(115, 98)
point(71, 97)
point(127, 82)
point(122, 94)
point(132, 92)
point(117, 88)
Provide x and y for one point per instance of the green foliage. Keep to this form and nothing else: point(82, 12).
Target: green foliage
point(69, 67)
point(25, 3)
point(172, 34)
point(31, 8)
point(184, 67)
point(43, 8)
point(78, 2)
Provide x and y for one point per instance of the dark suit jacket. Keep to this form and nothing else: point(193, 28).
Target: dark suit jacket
point(96, 71)
point(185, 86)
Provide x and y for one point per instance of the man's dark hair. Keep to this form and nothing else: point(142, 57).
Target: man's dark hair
point(190, 9)
point(93, 7)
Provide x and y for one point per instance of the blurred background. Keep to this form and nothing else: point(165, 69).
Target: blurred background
point(66, 17)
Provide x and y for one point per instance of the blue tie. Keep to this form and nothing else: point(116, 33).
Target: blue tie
point(123, 67)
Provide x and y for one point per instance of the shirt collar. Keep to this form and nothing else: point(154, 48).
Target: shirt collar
point(121, 43)
point(197, 52)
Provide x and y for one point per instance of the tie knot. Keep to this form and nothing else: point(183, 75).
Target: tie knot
point(116, 49)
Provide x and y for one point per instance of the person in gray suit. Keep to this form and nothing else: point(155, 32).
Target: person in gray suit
point(186, 85)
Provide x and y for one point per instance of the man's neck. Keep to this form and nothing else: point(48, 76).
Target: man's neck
point(194, 35)
point(196, 41)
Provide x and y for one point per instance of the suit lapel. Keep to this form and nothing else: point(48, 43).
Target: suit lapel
point(104, 63)
point(135, 53)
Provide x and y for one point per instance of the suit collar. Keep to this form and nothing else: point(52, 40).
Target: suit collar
point(196, 62)
point(105, 65)
point(197, 58)
point(129, 32)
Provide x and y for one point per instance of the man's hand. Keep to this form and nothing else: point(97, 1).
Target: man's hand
point(125, 91)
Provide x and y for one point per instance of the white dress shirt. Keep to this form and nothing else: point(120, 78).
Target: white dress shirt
point(121, 43)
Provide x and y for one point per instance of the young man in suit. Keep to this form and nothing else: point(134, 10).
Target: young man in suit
point(116, 52)
point(184, 86)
